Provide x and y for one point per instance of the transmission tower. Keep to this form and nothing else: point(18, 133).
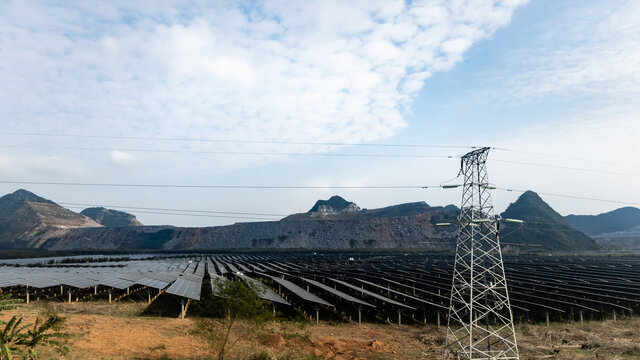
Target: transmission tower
point(480, 323)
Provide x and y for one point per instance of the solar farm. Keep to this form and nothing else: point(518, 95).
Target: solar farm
point(389, 288)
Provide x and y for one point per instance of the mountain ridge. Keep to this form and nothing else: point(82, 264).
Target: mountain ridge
point(332, 223)
point(28, 220)
point(110, 218)
point(613, 221)
point(543, 227)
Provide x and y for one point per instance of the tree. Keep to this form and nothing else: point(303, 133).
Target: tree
point(18, 339)
point(233, 300)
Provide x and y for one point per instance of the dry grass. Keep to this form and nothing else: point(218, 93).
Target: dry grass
point(598, 339)
point(103, 331)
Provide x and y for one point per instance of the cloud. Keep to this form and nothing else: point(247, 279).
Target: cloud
point(121, 158)
point(597, 53)
point(306, 71)
point(37, 167)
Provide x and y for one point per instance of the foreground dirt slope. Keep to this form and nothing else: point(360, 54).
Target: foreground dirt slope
point(115, 332)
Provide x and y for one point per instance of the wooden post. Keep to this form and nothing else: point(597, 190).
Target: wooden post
point(399, 318)
point(359, 316)
point(109, 296)
point(317, 316)
point(181, 309)
point(581, 318)
point(95, 290)
point(614, 315)
point(546, 313)
point(438, 319)
point(69, 296)
point(27, 294)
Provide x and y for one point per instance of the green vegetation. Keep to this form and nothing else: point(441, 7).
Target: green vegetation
point(18, 339)
point(84, 260)
point(616, 220)
point(234, 300)
point(544, 229)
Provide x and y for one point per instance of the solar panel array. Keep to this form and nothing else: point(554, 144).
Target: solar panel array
point(338, 282)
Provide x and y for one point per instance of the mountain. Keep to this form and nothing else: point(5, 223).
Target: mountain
point(110, 218)
point(543, 227)
point(334, 206)
point(334, 223)
point(28, 220)
point(617, 220)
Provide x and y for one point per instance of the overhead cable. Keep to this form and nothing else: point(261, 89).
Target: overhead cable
point(242, 141)
point(168, 209)
point(225, 152)
point(567, 157)
point(563, 167)
point(204, 186)
point(573, 196)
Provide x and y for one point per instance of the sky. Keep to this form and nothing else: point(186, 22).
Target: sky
point(287, 93)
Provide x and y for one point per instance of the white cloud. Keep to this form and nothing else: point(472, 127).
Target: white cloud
point(36, 167)
point(596, 53)
point(305, 71)
point(121, 158)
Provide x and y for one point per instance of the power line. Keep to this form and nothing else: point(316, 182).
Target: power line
point(563, 167)
point(372, 187)
point(198, 215)
point(241, 141)
point(225, 152)
point(573, 197)
point(76, 205)
point(567, 157)
point(218, 186)
point(282, 142)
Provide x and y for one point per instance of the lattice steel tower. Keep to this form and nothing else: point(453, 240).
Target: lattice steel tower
point(480, 323)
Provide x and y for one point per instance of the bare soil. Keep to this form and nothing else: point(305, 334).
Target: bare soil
point(102, 331)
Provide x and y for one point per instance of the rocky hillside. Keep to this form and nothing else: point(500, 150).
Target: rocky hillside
point(543, 229)
point(110, 218)
point(28, 220)
point(333, 223)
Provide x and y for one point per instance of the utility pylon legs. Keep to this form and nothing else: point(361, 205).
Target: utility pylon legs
point(480, 322)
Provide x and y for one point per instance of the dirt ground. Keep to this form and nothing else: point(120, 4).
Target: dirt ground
point(116, 332)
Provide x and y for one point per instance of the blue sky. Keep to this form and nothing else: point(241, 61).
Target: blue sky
point(545, 77)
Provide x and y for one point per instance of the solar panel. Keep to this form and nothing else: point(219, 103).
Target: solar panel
point(185, 288)
point(78, 282)
point(372, 294)
point(337, 292)
point(302, 293)
point(153, 283)
point(403, 294)
point(265, 293)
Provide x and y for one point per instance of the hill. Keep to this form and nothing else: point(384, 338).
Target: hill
point(28, 220)
point(614, 221)
point(334, 223)
point(544, 228)
point(110, 218)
